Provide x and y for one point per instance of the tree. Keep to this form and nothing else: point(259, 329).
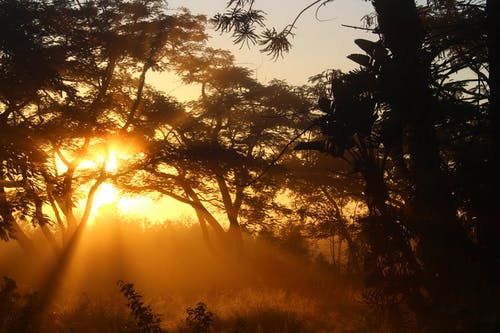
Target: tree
point(426, 126)
point(72, 79)
point(210, 154)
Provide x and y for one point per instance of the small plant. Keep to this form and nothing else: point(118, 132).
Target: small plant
point(240, 327)
point(16, 309)
point(9, 298)
point(146, 320)
point(199, 318)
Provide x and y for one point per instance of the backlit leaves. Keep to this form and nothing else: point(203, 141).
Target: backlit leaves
point(275, 43)
point(242, 23)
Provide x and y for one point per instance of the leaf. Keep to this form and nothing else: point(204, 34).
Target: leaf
point(361, 59)
point(324, 104)
point(366, 45)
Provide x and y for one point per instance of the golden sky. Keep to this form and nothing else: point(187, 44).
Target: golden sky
point(317, 45)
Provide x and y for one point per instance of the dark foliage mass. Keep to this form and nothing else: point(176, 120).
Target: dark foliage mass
point(417, 123)
point(199, 318)
point(147, 321)
point(386, 175)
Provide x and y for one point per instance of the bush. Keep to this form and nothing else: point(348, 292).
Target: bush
point(199, 318)
point(146, 320)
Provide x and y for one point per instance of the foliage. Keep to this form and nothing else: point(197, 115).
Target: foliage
point(247, 26)
point(212, 151)
point(72, 81)
point(199, 318)
point(421, 107)
point(146, 320)
point(269, 291)
point(16, 310)
point(400, 171)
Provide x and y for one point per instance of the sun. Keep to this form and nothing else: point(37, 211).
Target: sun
point(106, 192)
point(105, 195)
point(155, 209)
point(111, 161)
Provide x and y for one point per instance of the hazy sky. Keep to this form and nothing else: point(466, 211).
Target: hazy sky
point(317, 45)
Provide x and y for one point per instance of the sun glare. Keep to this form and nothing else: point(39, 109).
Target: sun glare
point(112, 163)
point(153, 209)
point(140, 206)
point(105, 195)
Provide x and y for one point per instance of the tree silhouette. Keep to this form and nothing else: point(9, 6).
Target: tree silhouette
point(416, 122)
point(73, 77)
point(210, 152)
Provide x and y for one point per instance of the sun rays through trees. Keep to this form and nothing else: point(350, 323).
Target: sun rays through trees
point(363, 200)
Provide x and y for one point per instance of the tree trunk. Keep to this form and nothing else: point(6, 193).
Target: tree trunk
point(489, 226)
point(232, 214)
point(407, 88)
point(332, 249)
point(20, 236)
point(49, 235)
point(204, 231)
point(200, 209)
point(43, 222)
point(12, 228)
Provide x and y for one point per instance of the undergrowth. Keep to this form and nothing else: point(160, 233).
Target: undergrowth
point(270, 290)
point(146, 320)
point(199, 318)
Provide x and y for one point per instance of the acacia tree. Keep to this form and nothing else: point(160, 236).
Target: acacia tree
point(72, 79)
point(210, 154)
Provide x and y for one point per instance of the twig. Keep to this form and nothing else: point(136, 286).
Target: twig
point(358, 28)
point(273, 162)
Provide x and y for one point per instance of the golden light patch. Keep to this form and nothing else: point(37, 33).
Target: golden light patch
point(105, 195)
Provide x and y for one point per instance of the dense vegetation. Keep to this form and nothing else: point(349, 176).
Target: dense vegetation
point(399, 174)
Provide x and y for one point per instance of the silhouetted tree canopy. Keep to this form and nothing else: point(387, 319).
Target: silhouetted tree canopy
point(210, 152)
point(72, 81)
point(418, 121)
